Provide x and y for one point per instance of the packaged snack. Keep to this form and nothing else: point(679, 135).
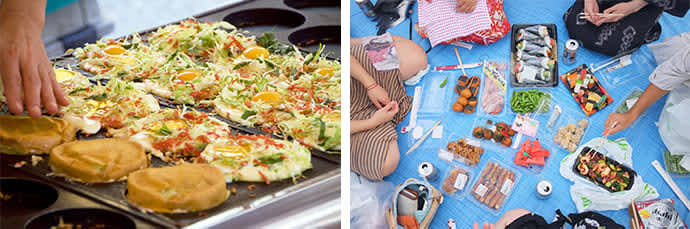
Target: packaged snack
point(455, 181)
point(461, 149)
point(534, 57)
point(498, 132)
point(569, 135)
point(655, 214)
point(586, 89)
point(494, 185)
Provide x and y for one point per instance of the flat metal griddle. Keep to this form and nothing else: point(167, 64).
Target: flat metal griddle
point(316, 14)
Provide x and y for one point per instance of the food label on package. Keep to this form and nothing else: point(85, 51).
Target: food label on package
point(685, 162)
point(525, 125)
point(445, 155)
point(631, 102)
point(460, 181)
point(507, 187)
point(480, 190)
point(658, 214)
point(472, 142)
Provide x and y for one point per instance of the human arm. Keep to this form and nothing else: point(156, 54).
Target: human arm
point(623, 121)
point(622, 9)
point(671, 73)
point(383, 115)
point(24, 66)
point(592, 9)
point(465, 6)
point(376, 93)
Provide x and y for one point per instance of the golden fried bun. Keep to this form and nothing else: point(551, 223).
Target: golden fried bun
point(177, 189)
point(24, 135)
point(98, 161)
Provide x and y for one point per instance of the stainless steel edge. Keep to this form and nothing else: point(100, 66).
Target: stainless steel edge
point(314, 203)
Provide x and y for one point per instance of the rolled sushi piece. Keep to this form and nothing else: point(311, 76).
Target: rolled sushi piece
point(532, 74)
point(523, 35)
point(539, 30)
point(531, 46)
point(542, 51)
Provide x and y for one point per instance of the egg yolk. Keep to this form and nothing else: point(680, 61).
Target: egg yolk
point(62, 75)
point(255, 52)
point(187, 75)
point(123, 59)
point(324, 71)
point(333, 117)
point(236, 152)
point(171, 124)
point(268, 97)
point(114, 50)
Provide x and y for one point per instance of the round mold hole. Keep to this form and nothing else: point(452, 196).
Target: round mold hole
point(301, 4)
point(262, 20)
point(22, 196)
point(86, 217)
point(310, 38)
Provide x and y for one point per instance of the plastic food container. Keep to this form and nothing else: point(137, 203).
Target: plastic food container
point(619, 70)
point(494, 89)
point(456, 147)
point(492, 188)
point(455, 182)
point(551, 28)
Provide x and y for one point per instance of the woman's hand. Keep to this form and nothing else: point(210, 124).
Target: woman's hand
point(623, 9)
point(592, 9)
point(621, 122)
point(465, 6)
point(24, 66)
point(378, 96)
point(385, 114)
point(485, 226)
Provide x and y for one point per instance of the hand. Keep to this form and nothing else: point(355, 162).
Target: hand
point(386, 113)
point(465, 6)
point(621, 122)
point(623, 8)
point(592, 9)
point(485, 226)
point(378, 96)
point(24, 66)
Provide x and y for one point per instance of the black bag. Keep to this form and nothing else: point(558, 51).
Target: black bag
point(589, 220)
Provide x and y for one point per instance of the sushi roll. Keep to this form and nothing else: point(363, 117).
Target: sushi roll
point(523, 35)
point(538, 30)
point(527, 46)
point(539, 52)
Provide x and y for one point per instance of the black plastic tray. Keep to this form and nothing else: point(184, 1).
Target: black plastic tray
point(608, 159)
point(513, 50)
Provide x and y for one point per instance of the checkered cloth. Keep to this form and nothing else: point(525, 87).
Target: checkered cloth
point(442, 23)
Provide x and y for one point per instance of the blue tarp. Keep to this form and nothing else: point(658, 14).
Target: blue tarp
point(643, 136)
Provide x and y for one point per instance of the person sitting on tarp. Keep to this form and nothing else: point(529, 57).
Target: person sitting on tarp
point(523, 219)
point(672, 76)
point(378, 102)
point(622, 26)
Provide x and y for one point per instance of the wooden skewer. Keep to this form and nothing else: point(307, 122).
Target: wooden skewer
point(423, 137)
point(601, 14)
point(460, 61)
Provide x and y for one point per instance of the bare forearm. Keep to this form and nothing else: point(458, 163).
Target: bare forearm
point(362, 125)
point(648, 97)
point(33, 9)
point(357, 72)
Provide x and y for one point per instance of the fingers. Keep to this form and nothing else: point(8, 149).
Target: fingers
point(47, 94)
point(11, 80)
point(32, 86)
point(475, 225)
point(57, 90)
point(394, 107)
point(486, 226)
point(377, 104)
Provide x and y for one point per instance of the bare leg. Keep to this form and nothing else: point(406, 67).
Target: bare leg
point(392, 158)
point(412, 57)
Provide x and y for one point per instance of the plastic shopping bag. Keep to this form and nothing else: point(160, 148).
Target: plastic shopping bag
point(674, 127)
point(369, 201)
point(590, 197)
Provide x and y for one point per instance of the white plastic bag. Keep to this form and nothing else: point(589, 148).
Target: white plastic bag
point(590, 197)
point(674, 126)
point(369, 201)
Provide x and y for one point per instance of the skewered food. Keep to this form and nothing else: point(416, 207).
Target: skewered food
point(499, 132)
point(467, 88)
point(464, 151)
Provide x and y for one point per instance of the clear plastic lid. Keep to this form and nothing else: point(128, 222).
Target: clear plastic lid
point(455, 182)
point(493, 187)
point(623, 68)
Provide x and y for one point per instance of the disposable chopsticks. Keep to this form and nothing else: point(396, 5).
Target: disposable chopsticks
point(462, 66)
point(423, 137)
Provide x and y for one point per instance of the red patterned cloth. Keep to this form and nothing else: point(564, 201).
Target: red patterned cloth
point(498, 28)
point(442, 23)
